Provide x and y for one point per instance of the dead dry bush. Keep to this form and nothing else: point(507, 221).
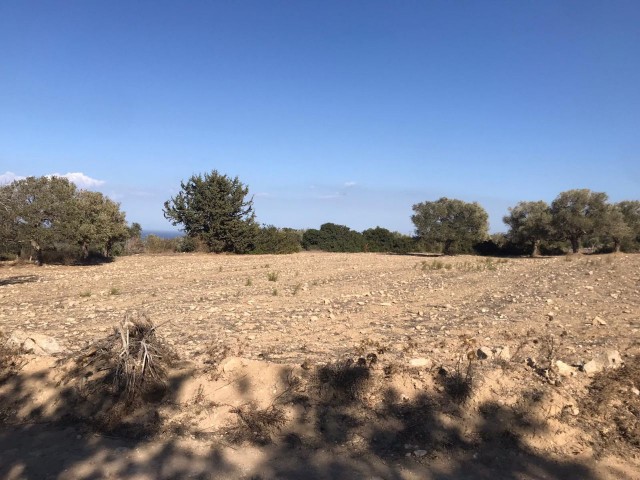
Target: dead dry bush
point(10, 363)
point(256, 425)
point(9, 357)
point(612, 406)
point(121, 372)
point(343, 382)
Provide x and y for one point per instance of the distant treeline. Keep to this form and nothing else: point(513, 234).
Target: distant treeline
point(49, 220)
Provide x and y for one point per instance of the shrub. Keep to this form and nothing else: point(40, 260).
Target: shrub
point(333, 238)
point(270, 239)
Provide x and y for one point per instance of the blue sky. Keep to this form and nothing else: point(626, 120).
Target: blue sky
point(340, 111)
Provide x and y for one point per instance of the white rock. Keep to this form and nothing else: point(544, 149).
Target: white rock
point(419, 453)
point(592, 367)
point(420, 362)
point(35, 343)
point(565, 369)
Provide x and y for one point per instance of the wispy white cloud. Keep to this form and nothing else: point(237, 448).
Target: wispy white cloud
point(329, 196)
point(8, 177)
point(349, 184)
point(80, 179)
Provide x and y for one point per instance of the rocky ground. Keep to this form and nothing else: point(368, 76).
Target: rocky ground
point(472, 367)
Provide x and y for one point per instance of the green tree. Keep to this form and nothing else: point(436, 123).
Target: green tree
point(382, 240)
point(630, 210)
point(99, 222)
point(529, 224)
point(614, 228)
point(39, 209)
point(451, 223)
point(578, 213)
point(214, 208)
point(333, 238)
point(271, 239)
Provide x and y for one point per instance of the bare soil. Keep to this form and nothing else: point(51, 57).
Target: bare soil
point(319, 365)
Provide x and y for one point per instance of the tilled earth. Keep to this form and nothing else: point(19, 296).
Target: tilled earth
point(319, 305)
point(465, 367)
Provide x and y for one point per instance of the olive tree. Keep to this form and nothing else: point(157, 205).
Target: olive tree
point(578, 213)
point(99, 222)
point(454, 224)
point(529, 224)
point(214, 208)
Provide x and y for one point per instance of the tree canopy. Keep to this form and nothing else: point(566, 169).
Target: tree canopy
point(451, 223)
point(529, 224)
point(42, 213)
point(578, 213)
point(214, 208)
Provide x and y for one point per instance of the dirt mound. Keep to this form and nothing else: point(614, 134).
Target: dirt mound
point(612, 407)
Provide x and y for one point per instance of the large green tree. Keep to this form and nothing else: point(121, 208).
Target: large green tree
point(630, 210)
point(99, 222)
point(215, 208)
point(46, 213)
point(529, 224)
point(577, 214)
point(454, 224)
point(39, 209)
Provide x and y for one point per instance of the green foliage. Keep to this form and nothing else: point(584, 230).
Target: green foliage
point(530, 223)
point(333, 238)
point(270, 239)
point(451, 223)
point(630, 210)
point(382, 240)
point(577, 214)
point(213, 207)
point(48, 214)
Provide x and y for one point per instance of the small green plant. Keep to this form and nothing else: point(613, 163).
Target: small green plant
point(274, 292)
point(114, 291)
point(272, 276)
point(248, 283)
point(297, 288)
point(315, 283)
point(85, 294)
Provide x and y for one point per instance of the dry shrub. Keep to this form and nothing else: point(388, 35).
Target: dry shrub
point(256, 425)
point(344, 381)
point(122, 371)
point(9, 357)
point(612, 407)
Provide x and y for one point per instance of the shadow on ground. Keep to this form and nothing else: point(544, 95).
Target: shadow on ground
point(334, 435)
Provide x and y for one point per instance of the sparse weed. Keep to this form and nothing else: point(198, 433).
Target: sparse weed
point(274, 292)
point(114, 291)
point(272, 276)
point(297, 288)
point(248, 283)
point(85, 294)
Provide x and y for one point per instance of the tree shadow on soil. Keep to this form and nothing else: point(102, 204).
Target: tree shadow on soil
point(18, 279)
point(335, 434)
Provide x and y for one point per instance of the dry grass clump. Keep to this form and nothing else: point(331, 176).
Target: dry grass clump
point(612, 406)
point(256, 425)
point(9, 357)
point(129, 366)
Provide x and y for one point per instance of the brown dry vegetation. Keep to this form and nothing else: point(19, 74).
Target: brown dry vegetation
point(363, 366)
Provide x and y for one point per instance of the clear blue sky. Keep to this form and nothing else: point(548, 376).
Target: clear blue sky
point(341, 111)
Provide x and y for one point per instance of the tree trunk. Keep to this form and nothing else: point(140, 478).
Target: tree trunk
point(616, 245)
point(39, 254)
point(536, 248)
point(575, 244)
point(85, 251)
point(447, 247)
